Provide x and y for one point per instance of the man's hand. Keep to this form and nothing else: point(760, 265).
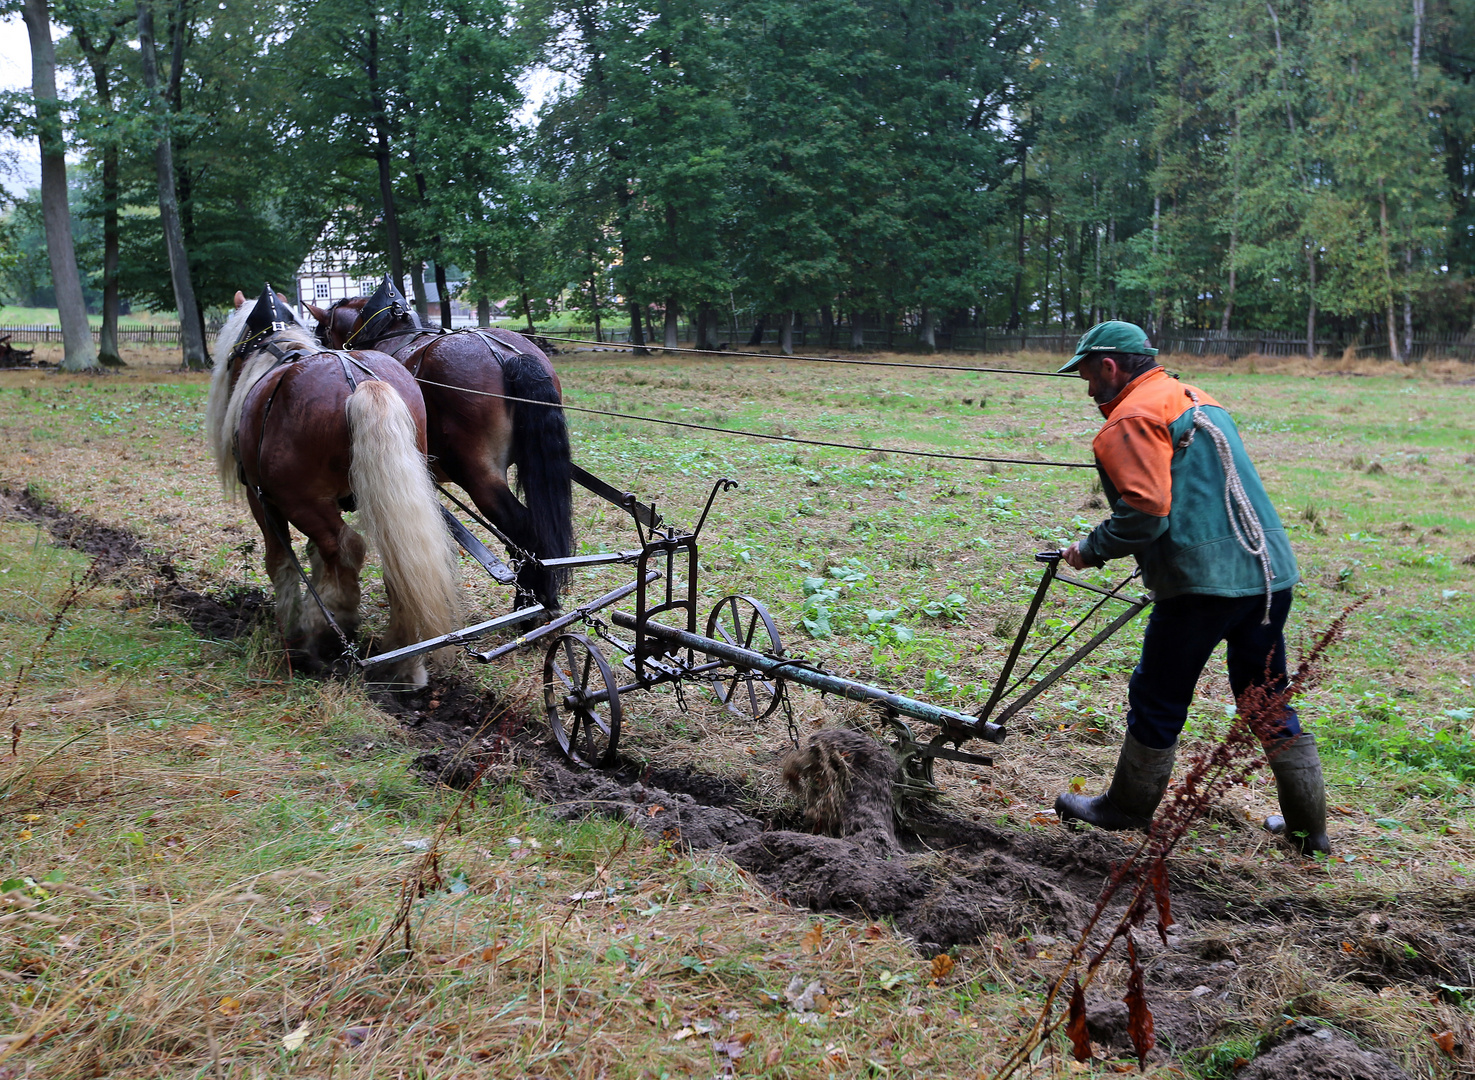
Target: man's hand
point(1072, 556)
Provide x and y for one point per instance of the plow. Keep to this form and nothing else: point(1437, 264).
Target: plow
point(652, 631)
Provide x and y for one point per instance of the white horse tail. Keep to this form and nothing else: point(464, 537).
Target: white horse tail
point(398, 512)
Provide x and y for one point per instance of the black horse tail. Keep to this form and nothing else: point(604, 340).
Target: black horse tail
point(540, 450)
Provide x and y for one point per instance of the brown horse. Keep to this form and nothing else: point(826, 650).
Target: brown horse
point(474, 437)
point(306, 434)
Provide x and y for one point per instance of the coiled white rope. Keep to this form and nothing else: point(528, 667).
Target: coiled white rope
point(1248, 531)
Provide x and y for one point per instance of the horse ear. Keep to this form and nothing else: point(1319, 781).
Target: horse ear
point(240, 298)
point(283, 298)
point(317, 313)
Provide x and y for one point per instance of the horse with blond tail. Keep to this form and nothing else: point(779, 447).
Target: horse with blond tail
point(307, 434)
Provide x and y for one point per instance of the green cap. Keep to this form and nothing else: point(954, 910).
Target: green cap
point(1110, 337)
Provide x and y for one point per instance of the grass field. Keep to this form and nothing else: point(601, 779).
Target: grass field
point(215, 867)
point(10, 315)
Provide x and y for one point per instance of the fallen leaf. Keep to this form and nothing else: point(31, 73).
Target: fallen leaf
point(293, 1040)
point(942, 965)
point(684, 1034)
point(812, 938)
point(772, 1057)
point(228, 1006)
point(231, 794)
point(1042, 818)
point(354, 1036)
point(654, 810)
point(1445, 1040)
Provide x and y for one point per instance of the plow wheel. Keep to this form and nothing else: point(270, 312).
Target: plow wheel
point(583, 701)
point(745, 623)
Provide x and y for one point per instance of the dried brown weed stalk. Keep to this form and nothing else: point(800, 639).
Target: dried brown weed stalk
point(1144, 872)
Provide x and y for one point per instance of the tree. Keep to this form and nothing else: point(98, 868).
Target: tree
point(78, 354)
point(191, 325)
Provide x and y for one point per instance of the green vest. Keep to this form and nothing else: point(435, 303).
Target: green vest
point(1197, 552)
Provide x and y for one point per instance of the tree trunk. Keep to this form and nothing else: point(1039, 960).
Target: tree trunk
point(671, 315)
point(1310, 301)
point(1408, 302)
point(383, 159)
point(417, 287)
point(527, 310)
point(97, 60)
point(637, 330)
point(786, 333)
point(827, 325)
point(1393, 351)
point(191, 338)
point(443, 289)
point(483, 302)
point(1016, 317)
point(928, 332)
point(756, 337)
point(594, 296)
point(71, 308)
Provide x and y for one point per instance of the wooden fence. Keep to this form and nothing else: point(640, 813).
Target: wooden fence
point(811, 335)
point(127, 335)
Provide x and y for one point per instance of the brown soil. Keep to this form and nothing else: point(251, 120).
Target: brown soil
point(1308, 1052)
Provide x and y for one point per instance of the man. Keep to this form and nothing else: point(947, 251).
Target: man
point(1187, 503)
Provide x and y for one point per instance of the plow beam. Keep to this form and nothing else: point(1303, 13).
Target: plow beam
point(962, 724)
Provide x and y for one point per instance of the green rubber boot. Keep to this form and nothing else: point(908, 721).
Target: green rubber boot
point(1302, 794)
point(1141, 778)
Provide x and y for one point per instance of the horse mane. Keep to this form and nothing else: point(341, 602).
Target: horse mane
point(224, 404)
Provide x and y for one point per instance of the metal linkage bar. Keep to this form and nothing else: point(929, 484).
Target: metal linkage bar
point(961, 723)
point(1133, 607)
point(614, 596)
point(500, 571)
point(456, 637)
point(603, 558)
point(642, 512)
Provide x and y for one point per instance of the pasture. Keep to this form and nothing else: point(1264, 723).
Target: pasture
point(217, 869)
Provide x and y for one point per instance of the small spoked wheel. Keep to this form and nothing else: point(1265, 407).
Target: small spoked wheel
point(583, 701)
point(744, 622)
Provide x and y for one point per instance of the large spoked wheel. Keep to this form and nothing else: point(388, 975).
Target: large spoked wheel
point(583, 701)
point(744, 622)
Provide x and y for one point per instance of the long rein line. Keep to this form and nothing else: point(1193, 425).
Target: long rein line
point(739, 354)
point(760, 435)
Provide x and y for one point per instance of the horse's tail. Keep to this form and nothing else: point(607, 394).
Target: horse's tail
point(540, 450)
point(398, 512)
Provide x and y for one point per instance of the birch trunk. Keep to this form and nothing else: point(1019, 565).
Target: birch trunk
point(786, 333)
point(383, 160)
point(1393, 351)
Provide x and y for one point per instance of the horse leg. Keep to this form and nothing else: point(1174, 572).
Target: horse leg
point(285, 583)
point(337, 584)
point(335, 553)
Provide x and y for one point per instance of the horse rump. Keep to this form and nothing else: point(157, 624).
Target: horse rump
point(398, 512)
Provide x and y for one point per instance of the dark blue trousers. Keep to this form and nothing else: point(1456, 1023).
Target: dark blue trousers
point(1180, 637)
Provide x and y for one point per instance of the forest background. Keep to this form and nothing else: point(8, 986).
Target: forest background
point(1296, 165)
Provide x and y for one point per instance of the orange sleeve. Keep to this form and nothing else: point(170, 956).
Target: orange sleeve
point(1137, 454)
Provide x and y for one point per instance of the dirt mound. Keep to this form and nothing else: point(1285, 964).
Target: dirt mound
point(1308, 1052)
point(226, 616)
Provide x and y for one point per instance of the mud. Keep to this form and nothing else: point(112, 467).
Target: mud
point(1305, 1051)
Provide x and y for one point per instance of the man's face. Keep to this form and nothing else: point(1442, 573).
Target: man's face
point(1102, 378)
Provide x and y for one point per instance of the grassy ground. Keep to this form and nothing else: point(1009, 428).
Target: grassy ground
point(224, 859)
point(11, 315)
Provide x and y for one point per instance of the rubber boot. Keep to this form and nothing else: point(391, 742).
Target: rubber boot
point(1141, 777)
point(1302, 794)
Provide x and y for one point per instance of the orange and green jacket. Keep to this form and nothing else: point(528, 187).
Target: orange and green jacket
point(1167, 499)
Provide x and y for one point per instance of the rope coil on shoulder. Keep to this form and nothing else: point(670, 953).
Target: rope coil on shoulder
point(1249, 533)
